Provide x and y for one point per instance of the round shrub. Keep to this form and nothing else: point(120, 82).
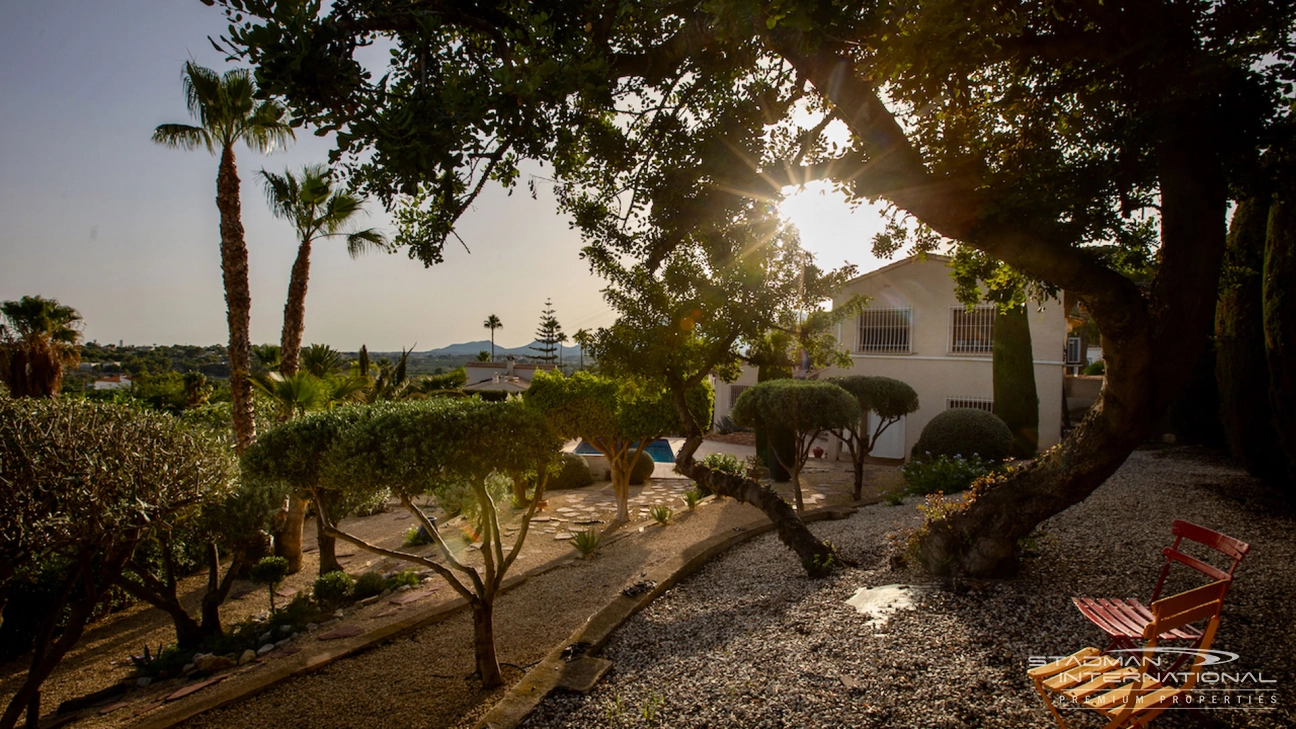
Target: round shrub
point(332, 588)
point(643, 469)
point(965, 431)
point(575, 474)
point(368, 585)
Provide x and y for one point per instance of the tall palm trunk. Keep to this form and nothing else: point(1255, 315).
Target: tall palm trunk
point(238, 298)
point(294, 323)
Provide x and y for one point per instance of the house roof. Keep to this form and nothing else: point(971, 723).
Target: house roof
point(902, 262)
point(114, 378)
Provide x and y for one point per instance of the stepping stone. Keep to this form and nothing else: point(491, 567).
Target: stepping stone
point(583, 673)
point(851, 682)
point(541, 518)
point(401, 516)
point(343, 631)
point(286, 592)
point(110, 708)
point(240, 594)
point(387, 613)
point(195, 687)
point(562, 536)
point(406, 598)
point(287, 650)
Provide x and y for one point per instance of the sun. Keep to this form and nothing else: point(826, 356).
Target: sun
point(831, 229)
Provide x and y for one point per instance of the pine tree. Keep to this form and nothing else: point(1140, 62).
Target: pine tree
point(548, 335)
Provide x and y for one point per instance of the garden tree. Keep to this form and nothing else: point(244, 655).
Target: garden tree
point(548, 335)
point(290, 458)
point(492, 323)
point(80, 485)
point(1241, 368)
point(583, 339)
point(38, 338)
point(422, 448)
point(197, 390)
point(889, 398)
point(618, 416)
point(1054, 137)
point(317, 210)
point(227, 112)
point(808, 408)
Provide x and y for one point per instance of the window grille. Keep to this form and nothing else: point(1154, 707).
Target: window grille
point(1073, 351)
point(978, 403)
point(735, 391)
point(884, 330)
point(972, 332)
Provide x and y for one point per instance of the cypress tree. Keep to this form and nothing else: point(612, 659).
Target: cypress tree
point(1015, 399)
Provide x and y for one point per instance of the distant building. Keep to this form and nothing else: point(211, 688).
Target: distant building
point(113, 382)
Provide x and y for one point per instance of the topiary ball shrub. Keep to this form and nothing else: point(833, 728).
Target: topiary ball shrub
point(964, 432)
point(368, 585)
point(333, 588)
point(575, 474)
point(643, 469)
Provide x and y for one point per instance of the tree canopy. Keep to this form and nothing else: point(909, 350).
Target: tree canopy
point(1062, 139)
point(888, 398)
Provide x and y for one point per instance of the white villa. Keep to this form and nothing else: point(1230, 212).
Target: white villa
point(916, 331)
point(113, 382)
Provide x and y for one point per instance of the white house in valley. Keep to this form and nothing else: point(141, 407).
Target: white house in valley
point(113, 382)
point(915, 330)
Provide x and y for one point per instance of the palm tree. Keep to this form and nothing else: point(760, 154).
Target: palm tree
point(583, 339)
point(227, 112)
point(492, 323)
point(317, 211)
point(39, 337)
point(322, 360)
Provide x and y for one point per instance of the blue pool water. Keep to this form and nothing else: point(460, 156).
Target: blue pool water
point(659, 450)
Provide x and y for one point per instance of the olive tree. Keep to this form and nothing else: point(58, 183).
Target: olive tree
point(807, 407)
point(290, 458)
point(618, 416)
point(422, 448)
point(80, 486)
point(889, 398)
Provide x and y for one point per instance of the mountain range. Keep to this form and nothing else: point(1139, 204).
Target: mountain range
point(470, 350)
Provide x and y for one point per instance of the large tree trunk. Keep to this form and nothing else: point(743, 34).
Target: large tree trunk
point(1016, 401)
point(1149, 346)
point(294, 322)
point(288, 540)
point(621, 488)
point(484, 642)
point(218, 588)
point(238, 299)
point(1280, 323)
point(328, 561)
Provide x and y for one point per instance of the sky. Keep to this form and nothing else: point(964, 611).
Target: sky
point(97, 216)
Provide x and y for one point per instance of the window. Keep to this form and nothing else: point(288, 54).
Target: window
point(735, 391)
point(972, 332)
point(979, 403)
point(884, 330)
point(1073, 351)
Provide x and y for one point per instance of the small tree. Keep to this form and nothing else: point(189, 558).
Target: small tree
point(492, 323)
point(549, 334)
point(891, 399)
point(80, 486)
point(807, 407)
point(618, 416)
point(423, 447)
point(270, 571)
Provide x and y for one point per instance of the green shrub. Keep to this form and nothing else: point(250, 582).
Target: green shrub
point(965, 431)
point(575, 474)
point(725, 463)
point(1096, 367)
point(587, 542)
point(416, 536)
point(404, 577)
point(692, 497)
point(332, 588)
point(643, 469)
point(270, 571)
point(662, 513)
point(943, 474)
point(368, 585)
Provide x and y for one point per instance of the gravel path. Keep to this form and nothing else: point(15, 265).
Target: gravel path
point(750, 642)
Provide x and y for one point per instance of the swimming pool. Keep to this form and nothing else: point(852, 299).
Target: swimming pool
point(659, 450)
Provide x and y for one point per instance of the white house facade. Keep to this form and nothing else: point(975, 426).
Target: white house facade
point(915, 330)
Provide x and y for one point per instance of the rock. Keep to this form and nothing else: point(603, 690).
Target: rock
point(339, 613)
point(282, 643)
point(212, 663)
point(265, 649)
point(143, 681)
point(385, 593)
point(402, 588)
point(285, 629)
point(311, 627)
point(265, 637)
point(188, 669)
point(370, 600)
point(248, 656)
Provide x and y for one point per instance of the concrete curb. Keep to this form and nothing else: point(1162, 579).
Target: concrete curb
point(543, 678)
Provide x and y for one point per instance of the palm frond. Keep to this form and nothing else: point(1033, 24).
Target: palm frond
point(184, 136)
point(363, 241)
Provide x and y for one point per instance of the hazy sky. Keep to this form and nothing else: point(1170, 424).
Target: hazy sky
point(92, 213)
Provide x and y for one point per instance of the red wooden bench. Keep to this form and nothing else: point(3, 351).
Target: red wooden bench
point(1125, 620)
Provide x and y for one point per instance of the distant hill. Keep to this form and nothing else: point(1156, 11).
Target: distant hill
point(470, 350)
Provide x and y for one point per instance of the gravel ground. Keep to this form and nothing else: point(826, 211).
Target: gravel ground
point(750, 642)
